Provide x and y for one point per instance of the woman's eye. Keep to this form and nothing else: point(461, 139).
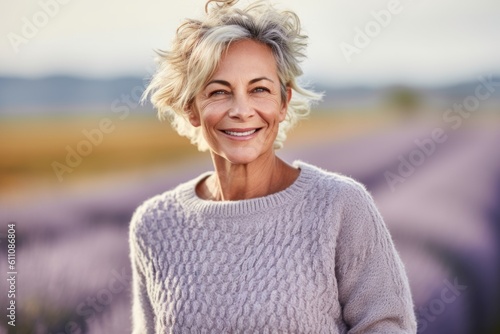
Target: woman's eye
point(217, 92)
point(261, 90)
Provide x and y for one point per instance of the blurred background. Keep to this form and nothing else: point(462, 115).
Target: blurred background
point(411, 109)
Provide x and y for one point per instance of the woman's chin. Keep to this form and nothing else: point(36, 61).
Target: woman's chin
point(240, 156)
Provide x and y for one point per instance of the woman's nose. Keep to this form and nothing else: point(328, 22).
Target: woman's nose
point(241, 107)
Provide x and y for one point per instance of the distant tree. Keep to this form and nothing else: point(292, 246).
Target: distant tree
point(403, 100)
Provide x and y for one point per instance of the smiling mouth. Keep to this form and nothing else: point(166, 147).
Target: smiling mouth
point(240, 133)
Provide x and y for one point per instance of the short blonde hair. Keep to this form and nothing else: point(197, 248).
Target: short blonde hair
point(196, 52)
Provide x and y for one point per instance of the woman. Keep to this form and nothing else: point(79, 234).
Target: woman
point(259, 245)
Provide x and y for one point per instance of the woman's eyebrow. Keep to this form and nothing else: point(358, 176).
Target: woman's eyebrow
point(226, 83)
point(221, 82)
point(259, 79)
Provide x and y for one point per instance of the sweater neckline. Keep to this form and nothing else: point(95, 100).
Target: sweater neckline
point(295, 191)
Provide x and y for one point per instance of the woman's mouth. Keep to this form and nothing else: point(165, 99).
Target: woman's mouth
point(241, 133)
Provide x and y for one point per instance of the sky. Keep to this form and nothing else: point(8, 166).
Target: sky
point(353, 42)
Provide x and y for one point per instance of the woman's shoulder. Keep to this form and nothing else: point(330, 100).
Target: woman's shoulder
point(348, 197)
point(163, 205)
point(332, 182)
point(341, 197)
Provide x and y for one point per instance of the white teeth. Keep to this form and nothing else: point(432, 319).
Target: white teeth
point(240, 134)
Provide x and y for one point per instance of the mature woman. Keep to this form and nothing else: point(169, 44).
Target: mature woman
point(258, 245)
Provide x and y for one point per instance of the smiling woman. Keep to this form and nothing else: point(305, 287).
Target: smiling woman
point(239, 111)
point(199, 47)
point(258, 245)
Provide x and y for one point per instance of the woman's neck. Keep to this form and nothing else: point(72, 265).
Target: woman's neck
point(264, 176)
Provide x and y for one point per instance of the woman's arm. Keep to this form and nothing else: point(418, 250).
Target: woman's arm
point(142, 311)
point(373, 287)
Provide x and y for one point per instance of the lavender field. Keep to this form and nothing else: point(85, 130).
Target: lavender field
point(444, 216)
point(410, 108)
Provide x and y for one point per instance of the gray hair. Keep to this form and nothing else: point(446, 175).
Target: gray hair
point(196, 52)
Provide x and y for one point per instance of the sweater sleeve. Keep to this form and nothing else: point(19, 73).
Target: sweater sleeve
point(373, 287)
point(142, 311)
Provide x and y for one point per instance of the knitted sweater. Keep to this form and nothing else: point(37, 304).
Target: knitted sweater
point(313, 258)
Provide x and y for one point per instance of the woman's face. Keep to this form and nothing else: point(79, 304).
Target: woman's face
point(240, 107)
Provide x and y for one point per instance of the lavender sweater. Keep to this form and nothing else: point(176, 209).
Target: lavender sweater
point(313, 258)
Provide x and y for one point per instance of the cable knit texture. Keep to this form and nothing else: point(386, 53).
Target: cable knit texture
point(313, 258)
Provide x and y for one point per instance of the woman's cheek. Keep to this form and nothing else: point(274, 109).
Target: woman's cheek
point(268, 103)
point(218, 106)
point(210, 112)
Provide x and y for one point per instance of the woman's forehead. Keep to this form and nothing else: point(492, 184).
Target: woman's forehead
point(247, 58)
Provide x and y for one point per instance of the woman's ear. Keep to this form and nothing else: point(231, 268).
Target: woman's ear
point(284, 108)
point(193, 115)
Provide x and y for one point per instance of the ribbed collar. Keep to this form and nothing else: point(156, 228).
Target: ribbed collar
point(190, 200)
